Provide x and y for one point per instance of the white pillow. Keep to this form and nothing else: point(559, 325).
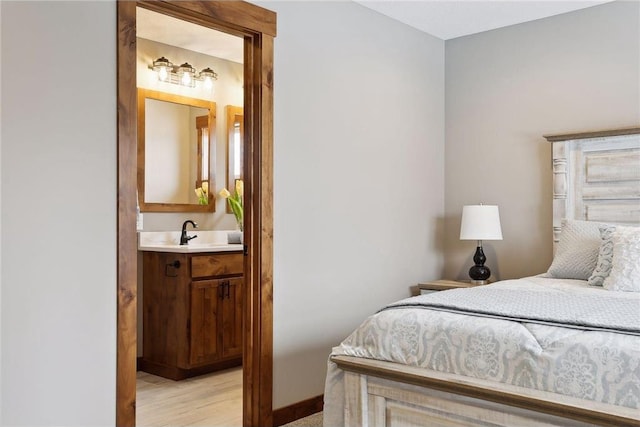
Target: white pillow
point(605, 256)
point(625, 265)
point(577, 251)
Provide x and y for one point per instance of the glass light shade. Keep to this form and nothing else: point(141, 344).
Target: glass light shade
point(163, 67)
point(186, 74)
point(208, 76)
point(480, 222)
point(163, 74)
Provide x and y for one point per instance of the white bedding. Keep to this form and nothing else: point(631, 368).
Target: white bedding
point(594, 365)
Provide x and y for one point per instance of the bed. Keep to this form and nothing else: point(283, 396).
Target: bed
point(561, 348)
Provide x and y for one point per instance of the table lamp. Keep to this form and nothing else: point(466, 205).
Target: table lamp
point(480, 222)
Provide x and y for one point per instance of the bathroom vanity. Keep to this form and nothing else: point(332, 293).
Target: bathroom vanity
point(192, 309)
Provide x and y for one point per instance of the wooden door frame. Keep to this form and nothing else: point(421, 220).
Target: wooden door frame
point(258, 28)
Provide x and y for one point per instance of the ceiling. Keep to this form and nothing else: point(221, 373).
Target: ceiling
point(175, 32)
point(445, 19)
point(448, 19)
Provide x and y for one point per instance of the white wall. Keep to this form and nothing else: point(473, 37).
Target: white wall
point(358, 174)
point(58, 213)
point(505, 89)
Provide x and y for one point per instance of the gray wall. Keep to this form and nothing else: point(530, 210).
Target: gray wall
point(358, 174)
point(504, 90)
point(58, 128)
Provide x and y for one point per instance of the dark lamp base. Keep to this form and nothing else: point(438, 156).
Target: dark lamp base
point(479, 273)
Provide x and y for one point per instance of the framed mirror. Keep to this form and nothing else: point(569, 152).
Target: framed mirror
point(176, 142)
point(235, 136)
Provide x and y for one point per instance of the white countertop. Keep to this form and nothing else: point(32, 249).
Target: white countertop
point(169, 241)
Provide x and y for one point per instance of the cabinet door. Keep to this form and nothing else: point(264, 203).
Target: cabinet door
point(205, 307)
point(232, 318)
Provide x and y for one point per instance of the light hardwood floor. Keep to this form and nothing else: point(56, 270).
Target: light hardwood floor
point(212, 400)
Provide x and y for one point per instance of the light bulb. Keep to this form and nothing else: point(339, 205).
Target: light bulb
point(163, 74)
point(186, 74)
point(163, 67)
point(208, 76)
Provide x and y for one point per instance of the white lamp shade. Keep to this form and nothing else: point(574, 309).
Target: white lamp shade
point(480, 222)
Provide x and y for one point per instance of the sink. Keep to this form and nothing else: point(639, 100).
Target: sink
point(168, 241)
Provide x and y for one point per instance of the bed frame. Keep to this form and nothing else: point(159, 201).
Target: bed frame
point(596, 177)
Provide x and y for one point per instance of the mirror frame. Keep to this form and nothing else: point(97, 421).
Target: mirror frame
point(143, 95)
point(258, 28)
point(233, 113)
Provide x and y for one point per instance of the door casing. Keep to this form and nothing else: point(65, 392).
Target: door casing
point(258, 28)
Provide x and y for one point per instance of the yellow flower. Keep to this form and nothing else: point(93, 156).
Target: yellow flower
point(239, 187)
point(205, 187)
point(202, 194)
point(235, 202)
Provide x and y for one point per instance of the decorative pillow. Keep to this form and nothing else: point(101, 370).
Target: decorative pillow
point(605, 256)
point(625, 266)
point(577, 251)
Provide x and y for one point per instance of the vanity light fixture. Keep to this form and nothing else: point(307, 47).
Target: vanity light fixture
point(184, 74)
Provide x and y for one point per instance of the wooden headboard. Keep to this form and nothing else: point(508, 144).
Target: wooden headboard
point(596, 177)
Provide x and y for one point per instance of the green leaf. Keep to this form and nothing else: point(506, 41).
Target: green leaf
point(236, 208)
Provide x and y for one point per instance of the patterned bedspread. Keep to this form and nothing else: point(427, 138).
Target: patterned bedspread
point(588, 359)
point(537, 303)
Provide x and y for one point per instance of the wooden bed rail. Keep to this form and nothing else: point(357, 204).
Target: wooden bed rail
point(534, 400)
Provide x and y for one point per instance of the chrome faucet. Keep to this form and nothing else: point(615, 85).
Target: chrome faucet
point(184, 239)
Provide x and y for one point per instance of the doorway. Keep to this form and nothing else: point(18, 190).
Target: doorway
point(257, 27)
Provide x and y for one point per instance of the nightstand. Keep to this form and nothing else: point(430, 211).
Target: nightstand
point(443, 285)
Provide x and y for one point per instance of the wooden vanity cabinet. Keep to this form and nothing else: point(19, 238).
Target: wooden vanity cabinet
point(192, 318)
point(216, 320)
